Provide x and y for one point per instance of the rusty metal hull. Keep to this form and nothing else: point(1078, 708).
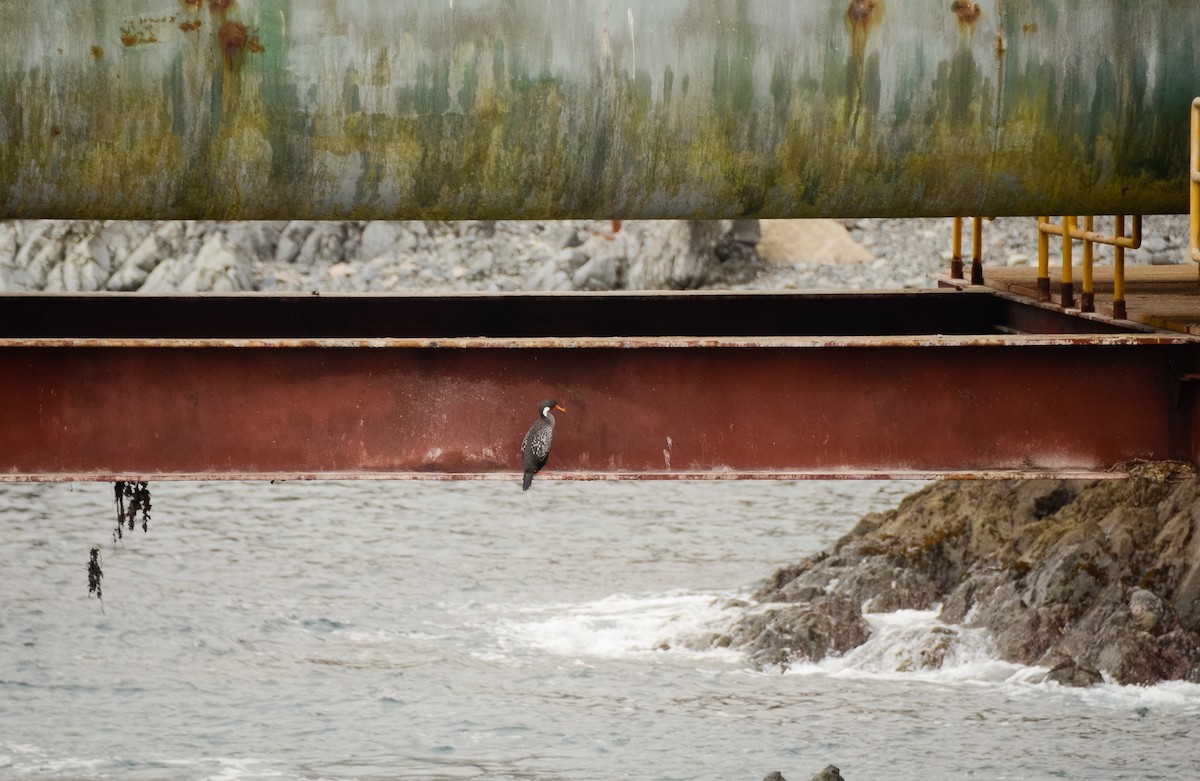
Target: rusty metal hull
point(279, 109)
point(771, 404)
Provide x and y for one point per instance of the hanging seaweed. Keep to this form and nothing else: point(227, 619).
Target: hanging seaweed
point(95, 574)
point(133, 504)
point(119, 490)
point(138, 494)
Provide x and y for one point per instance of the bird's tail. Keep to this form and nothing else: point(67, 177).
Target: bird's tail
point(527, 481)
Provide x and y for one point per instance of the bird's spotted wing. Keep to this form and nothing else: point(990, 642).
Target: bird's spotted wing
point(537, 444)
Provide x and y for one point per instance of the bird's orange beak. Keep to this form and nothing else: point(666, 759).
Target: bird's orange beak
point(560, 408)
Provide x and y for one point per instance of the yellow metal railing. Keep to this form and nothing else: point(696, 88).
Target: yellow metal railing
point(1070, 231)
point(956, 259)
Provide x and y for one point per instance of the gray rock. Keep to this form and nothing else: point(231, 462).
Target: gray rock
point(1068, 672)
point(570, 259)
point(217, 267)
point(744, 231)
point(829, 773)
point(545, 278)
point(323, 246)
point(599, 273)
point(1154, 245)
point(291, 239)
point(85, 266)
point(568, 237)
point(377, 237)
point(167, 240)
point(774, 775)
point(806, 631)
point(8, 253)
point(1040, 564)
point(44, 250)
point(481, 263)
point(1146, 608)
point(677, 255)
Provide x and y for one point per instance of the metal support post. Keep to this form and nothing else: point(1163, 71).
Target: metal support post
point(977, 251)
point(1068, 282)
point(1087, 299)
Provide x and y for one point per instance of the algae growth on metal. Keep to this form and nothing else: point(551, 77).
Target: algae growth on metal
point(678, 108)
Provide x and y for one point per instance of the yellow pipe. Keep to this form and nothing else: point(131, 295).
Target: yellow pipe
point(956, 264)
point(1069, 230)
point(1119, 265)
point(1068, 283)
point(1132, 241)
point(1194, 188)
point(1043, 280)
point(1087, 300)
point(977, 251)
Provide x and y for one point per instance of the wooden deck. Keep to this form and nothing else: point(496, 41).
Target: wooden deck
point(1165, 297)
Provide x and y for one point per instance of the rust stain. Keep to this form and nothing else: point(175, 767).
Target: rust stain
point(861, 16)
point(1031, 27)
point(232, 38)
point(188, 27)
point(1000, 47)
point(219, 6)
point(55, 130)
point(967, 13)
point(859, 12)
point(142, 31)
point(97, 53)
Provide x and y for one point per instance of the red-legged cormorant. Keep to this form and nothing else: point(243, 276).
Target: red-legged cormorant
point(535, 448)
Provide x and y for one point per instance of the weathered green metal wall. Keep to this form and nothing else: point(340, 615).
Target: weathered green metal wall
point(651, 108)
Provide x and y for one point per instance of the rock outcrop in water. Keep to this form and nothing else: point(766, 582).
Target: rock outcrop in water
point(1079, 576)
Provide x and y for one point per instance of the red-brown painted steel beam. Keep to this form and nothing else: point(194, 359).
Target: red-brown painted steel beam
point(698, 407)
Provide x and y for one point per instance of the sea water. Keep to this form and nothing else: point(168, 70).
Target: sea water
point(431, 630)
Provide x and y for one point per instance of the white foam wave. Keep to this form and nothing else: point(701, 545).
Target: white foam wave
point(242, 770)
point(915, 644)
point(904, 645)
point(618, 626)
point(26, 760)
point(1176, 697)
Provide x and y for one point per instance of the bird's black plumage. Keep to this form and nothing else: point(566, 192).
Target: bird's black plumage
point(535, 448)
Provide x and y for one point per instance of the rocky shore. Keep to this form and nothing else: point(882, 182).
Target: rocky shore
point(1093, 579)
point(197, 256)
